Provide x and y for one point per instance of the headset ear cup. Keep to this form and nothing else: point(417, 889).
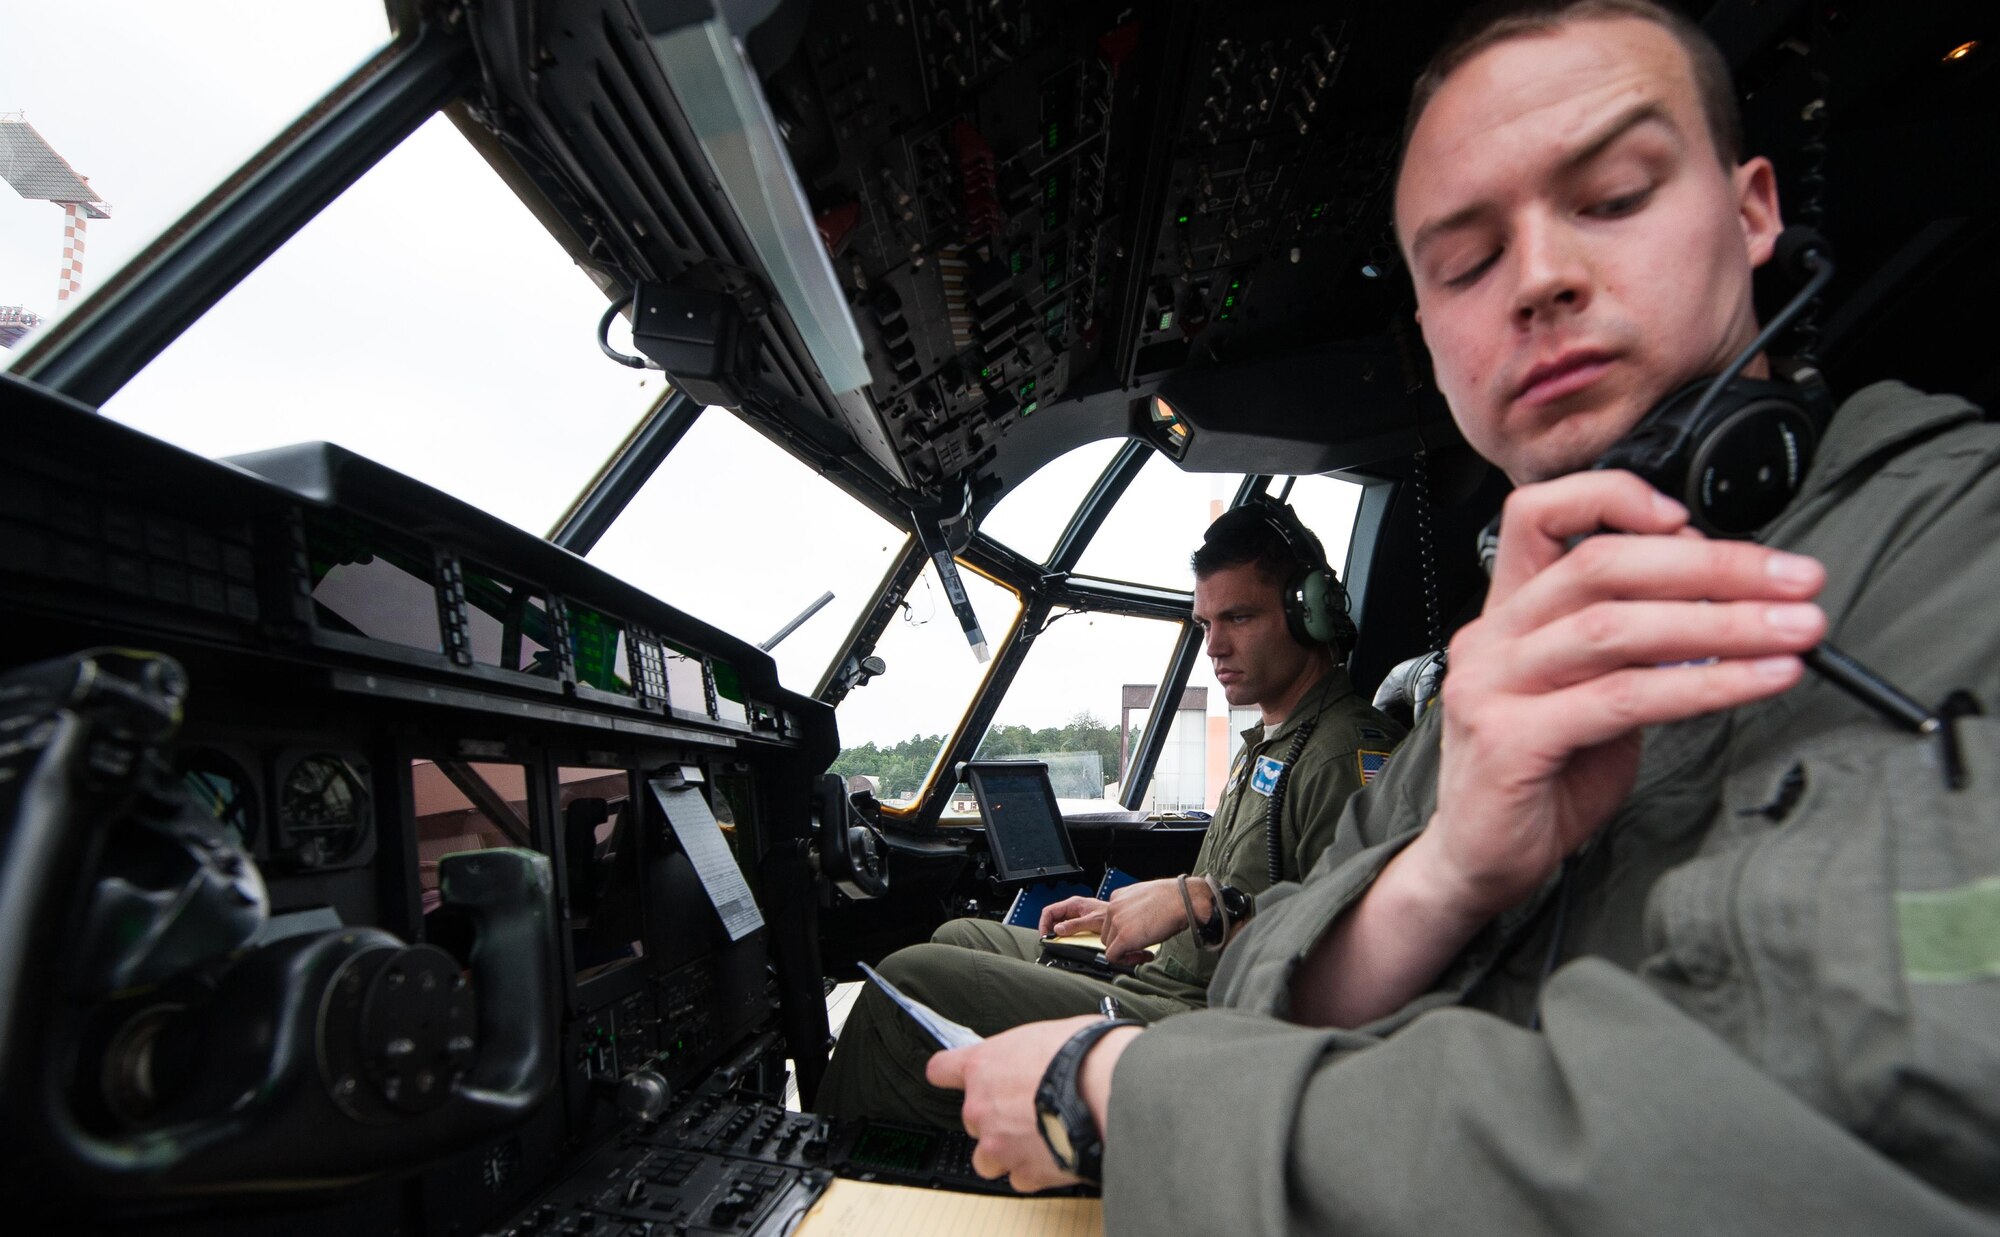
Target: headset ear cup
point(1297, 608)
point(1326, 619)
point(1317, 608)
point(1345, 633)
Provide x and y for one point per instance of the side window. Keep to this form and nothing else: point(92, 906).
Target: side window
point(894, 729)
point(1326, 505)
point(1186, 778)
point(737, 532)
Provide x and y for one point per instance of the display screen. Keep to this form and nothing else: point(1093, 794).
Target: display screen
point(600, 842)
point(597, 642)
point(507, 624)
point(373, 583)
point(1023, 826)
point(687, 681)
point(465, 805)
point(899, 1150)
point(730, 703)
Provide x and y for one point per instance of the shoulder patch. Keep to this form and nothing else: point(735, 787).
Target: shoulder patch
point(1371, 763)
point(1265, 779)
point(1369, 732)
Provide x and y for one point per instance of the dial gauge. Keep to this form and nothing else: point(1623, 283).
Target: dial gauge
point(323, 810)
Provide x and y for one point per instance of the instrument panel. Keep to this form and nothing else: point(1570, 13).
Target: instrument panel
point(1033, 203)
point(379, 902)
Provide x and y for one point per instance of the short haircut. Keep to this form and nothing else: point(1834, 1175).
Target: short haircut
point(1502, 20)
point(1245, 535)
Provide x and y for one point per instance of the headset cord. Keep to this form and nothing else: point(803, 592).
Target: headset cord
point(1812, 212)
point(1426, 551)
point(1274, 843)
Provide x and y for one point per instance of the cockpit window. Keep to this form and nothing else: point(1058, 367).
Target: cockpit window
point(117, 117)
point(1080, 701)
point(1034, 513)
point(1150, 533)
point(424, 320)
point(894, 728)
point(739, 533)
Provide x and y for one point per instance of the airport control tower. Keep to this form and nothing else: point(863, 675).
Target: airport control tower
point(36, 171)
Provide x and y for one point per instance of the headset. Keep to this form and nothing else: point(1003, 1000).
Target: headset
point(1735, 450)
point(1315, 604)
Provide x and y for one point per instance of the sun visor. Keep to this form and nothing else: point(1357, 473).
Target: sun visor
point(725, 107)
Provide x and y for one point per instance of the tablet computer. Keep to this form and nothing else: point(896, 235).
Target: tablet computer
point(1024, 827)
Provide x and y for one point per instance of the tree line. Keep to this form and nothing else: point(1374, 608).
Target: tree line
point(902, 766)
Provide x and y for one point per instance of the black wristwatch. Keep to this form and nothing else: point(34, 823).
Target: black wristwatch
point(1231, 906)
point(1237, 906)
point(1060, 1110)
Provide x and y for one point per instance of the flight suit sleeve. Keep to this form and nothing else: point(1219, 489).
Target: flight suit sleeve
point(1622, 1116)
point(1797, 1056)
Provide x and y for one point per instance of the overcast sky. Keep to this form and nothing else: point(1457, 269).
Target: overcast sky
point(427, 321)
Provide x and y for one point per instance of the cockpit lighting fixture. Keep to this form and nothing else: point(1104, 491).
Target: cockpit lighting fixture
point(1171, 433)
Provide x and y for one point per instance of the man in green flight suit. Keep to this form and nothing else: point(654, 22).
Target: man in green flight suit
point(1277, 636)
point(1644, 930)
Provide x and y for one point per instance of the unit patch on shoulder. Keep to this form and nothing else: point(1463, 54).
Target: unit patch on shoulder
point(1265, 779)
point(1369, 732)
point(1371, 763)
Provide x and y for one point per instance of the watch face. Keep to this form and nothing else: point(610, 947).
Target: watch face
point(1057, 1135)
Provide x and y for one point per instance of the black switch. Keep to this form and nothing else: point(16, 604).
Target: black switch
point(887, 305)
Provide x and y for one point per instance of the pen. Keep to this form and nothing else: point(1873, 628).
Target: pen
point(1109, 1006)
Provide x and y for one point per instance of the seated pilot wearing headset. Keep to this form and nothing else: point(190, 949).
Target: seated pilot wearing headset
point(1645, 929)
point(1278, 635)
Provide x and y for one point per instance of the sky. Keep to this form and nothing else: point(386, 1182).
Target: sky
point(425, 320)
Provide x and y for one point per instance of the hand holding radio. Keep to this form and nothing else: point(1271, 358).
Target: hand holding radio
point(1578, 650)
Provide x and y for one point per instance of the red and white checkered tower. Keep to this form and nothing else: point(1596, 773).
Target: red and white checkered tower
point(74, 217)
point(37, 172)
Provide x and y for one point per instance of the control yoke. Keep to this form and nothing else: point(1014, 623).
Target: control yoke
point(851, 852)
point(199, 1054)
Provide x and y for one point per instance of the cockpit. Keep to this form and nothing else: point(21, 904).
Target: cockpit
point(522, 513)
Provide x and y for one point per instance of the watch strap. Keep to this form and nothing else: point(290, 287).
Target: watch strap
point(1060, 1095)
point(1208, 933)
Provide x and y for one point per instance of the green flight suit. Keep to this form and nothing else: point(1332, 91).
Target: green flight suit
point(1775, 1006)
point(985, 975)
